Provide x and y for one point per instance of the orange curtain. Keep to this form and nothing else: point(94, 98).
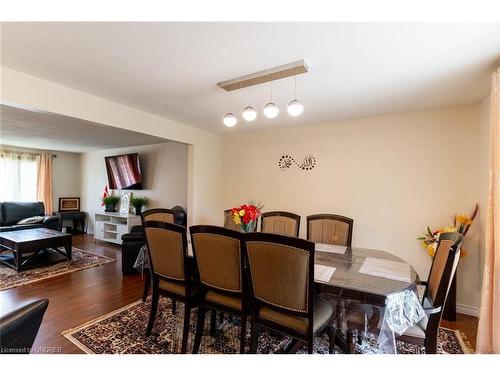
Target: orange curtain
point(488, 336)
point(44, 182)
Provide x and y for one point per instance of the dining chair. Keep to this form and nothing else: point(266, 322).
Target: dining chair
point(425, 332)
point(330, 229)
point(171, 271)
point(223, 283)
point(157, 214)
point(281, 284)
point(229, 222)
point(280, 222)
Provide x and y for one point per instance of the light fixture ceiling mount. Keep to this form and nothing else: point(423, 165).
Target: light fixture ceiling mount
point(268, 75)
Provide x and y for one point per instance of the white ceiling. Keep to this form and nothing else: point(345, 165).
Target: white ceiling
point(171, 69)
point(33, 129)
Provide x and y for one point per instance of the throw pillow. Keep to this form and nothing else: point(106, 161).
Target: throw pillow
point(31, 220)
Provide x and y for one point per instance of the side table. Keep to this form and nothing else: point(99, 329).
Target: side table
point(78, 218)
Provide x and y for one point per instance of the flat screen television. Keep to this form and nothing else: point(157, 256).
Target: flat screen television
point(124, 172)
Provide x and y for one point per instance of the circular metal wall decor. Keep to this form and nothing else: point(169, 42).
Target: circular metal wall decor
point(286, 162)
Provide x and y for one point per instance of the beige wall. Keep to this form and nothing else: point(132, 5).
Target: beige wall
point(66, 172)
point(204, 169)
point(394, 175)
point(165, 172)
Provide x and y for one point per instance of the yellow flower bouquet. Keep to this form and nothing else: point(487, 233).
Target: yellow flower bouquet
point(461, 224)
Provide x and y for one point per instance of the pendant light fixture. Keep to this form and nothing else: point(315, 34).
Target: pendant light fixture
point(267, 76)
point(249, 113)
point(295, 108)
point(229, 119)
point(271, 110)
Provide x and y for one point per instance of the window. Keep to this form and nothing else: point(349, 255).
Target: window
point(18, 176)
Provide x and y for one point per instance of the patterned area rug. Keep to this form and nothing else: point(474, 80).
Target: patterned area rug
point(122, 332)
point(81, 259)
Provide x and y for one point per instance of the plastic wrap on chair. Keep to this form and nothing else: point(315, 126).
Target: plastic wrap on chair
point(142, 260)
point(402, 311)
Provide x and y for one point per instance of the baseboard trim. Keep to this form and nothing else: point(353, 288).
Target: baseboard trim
point(468, 310)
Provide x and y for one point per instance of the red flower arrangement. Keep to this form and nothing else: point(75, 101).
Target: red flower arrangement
point(245, 215)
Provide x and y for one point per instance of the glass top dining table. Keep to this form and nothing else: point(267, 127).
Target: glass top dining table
point(350, 277)
point(364, 274)
point(368, 276)
point(361, 274)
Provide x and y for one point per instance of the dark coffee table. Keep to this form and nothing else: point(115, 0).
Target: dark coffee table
point(32, 247)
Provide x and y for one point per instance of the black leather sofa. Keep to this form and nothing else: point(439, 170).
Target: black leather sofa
point(134, 240)
point(12, 212)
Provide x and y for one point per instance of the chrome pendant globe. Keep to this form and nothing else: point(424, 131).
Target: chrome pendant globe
point(295, 108)
point(271, 110)
point(249, 114)
point(229, 120)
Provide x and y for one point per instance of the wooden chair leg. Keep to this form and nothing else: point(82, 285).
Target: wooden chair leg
point(349, 337)
point(254, 337)
point(332, 330)
point(185, 329)
point(431, 344)
point(243, 332)
point(147, 283)
point(154, 307)
point(221, 318)
point(310, 345)
point(294, 346)
point(174, 307)
point(213, 322)
point(200, 324)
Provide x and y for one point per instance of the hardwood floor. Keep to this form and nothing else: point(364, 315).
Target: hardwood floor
point(81, 296)
point(465, 323)
point(77, 297)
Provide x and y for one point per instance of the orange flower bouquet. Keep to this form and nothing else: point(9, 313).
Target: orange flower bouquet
point(461, 224)
point(246, 215)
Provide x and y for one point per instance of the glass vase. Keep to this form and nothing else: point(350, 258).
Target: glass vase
point(250, 227)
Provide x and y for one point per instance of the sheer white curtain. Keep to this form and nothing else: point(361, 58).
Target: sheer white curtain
point(488, 335)
point(18, 176)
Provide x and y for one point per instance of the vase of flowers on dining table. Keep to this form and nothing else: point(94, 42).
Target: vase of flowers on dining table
point(246, 216)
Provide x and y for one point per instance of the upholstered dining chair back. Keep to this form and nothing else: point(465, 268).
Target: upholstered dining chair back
point(229, 222)
point(280, 222)
point(330, 229)
point(281, 272)
point(158, 214)
point(167, 247)
point(443, 267)
point(219, 256)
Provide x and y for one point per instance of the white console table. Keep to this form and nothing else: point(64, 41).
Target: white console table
point(110, 226)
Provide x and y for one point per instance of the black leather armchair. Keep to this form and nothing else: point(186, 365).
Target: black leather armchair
point(18, 329)
point(134, 240)
point(131, 245)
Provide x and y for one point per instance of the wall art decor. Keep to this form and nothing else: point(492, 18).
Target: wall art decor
point(286, 162)
point(125, 202)
point(69, 204)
